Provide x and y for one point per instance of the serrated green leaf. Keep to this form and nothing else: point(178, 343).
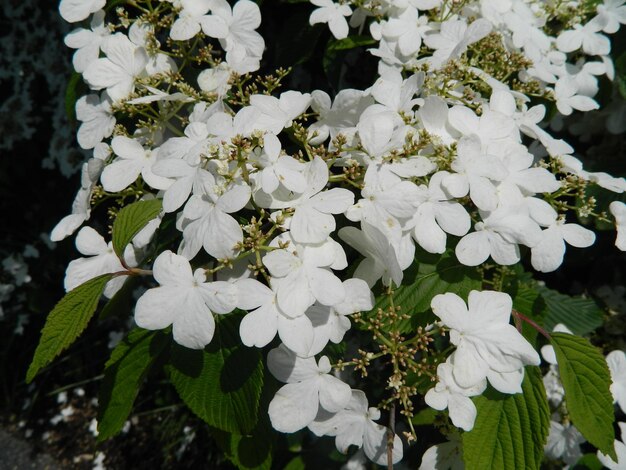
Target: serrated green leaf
point(580, 315)
point(432, 275)
point(131, 219)
point(586, 380)
point(550, 308)
point(66, 322)
point(124, 372)
point(510, 430)
point(222, 383)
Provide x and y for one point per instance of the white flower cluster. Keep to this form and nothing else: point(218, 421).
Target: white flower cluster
point(419, 159)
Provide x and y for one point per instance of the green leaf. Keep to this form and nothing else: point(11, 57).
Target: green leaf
point(66, 322)
point(588, 462)
point(295, 464)
point(222, 383)
point(510, 430)
point(71, 95)
point(550, 307)
point(580, 315)
point(130, 362)
point(586, 380)
point(131, 219)
point(432, 275)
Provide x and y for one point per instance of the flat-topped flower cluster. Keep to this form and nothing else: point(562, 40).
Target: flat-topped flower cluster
point(273, 192)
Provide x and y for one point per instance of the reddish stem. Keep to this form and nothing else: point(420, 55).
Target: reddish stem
point(520, 316)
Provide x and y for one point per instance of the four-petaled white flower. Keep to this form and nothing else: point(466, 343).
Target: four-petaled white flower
point(332, 13)
point(309, 386)
point(124, 62)
point(185, 301)
point(487, 345)
point(449, 394)
point(73, 11)
point(354, 425)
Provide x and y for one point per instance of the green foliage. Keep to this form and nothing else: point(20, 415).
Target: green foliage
point(586, 378)
point(67, 321)
point(429, 276)
point(222, 383)
point(620, 74)
point(550, 307)
point(130, 362)
point(71, 95)
point(131, 219)
point(510, 430)
point(588, 462)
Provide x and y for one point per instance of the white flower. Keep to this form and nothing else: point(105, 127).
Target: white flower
point(568, 99)
point(133, 160)
point(117, 72)
point(340, 117)
point(235, 28)
point(454, 37)
point(332, 13)
point(309, 386)
point(87, 42)
point(586, 36)
point(449, 394)
point(380, 257)
point(612, 13)
point(332, 323)
point(498, 236)
point(386, 200)
point(618, 209)
point(184, 300)
point(265, 319)
point(547, 255)
point(354, 425)
point(620, 450)
point(101, 260)
point(474, 173)
point(278, 113)
point(279, 169)
point(564, 443)
point(486, 342)
point(206, 221)
point(303, 274)
point(616, 361)
point(190, 19)
point(73, 11)
point(437, 215)
point(97, 120)
point(554, 388)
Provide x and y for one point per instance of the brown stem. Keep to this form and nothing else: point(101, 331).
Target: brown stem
point(523, 317)
point(391, 434)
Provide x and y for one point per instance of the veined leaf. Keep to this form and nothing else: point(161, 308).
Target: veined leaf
point(586, 380)
point(131, 219)
point(510, 430)
point(550, 308)
point(222, 383)
point(128, 365)
point(67, 321)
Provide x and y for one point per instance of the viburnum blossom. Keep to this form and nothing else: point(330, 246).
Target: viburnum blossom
point(185, 301)
point(326, 222)
point(309, 387)
point(487, 346)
